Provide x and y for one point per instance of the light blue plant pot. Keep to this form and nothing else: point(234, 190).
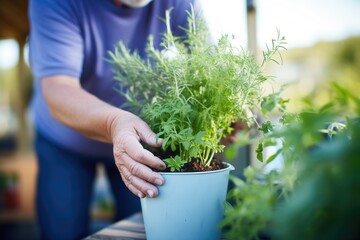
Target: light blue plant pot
point(189, 206)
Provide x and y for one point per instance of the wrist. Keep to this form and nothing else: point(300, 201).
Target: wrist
point(114, 118)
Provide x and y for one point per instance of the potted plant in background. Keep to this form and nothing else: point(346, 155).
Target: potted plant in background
point(316, 194)
point(189, 93)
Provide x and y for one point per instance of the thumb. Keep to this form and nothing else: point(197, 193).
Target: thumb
point(148, 136)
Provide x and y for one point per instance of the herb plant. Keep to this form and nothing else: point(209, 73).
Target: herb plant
point(191, 90)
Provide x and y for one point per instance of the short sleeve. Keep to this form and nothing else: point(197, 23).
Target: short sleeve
point(56, 45)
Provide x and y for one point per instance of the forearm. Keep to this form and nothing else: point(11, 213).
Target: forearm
point(78, 109)
point(82, 111)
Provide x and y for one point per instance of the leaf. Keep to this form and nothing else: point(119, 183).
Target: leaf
point(186, 145)
point(193, 151)
point(165, 145)
point(199, 136)
point(173, 147)
point(272, 157)
point(266, 127)
point(174, 163)
point(227, 207)
point(231, 151)
point(269, 103)
point(259, 152)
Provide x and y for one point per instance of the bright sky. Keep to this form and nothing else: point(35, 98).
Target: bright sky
point(302, 22)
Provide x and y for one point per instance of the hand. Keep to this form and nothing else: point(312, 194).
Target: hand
point(103, 122)
point(132, 160)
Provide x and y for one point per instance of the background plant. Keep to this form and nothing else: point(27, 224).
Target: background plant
point(192, 90)
point(326, 201)
point(318, 187)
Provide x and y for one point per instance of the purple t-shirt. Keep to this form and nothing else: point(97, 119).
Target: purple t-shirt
point(72, 37)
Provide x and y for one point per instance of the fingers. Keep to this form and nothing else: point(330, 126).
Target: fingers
point(135, 163)
point(138, 177)
point(148, 136)
point(136, 151)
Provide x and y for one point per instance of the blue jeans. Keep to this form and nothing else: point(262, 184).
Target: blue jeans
point(64, 191)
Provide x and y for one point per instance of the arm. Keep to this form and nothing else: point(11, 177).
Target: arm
point(78, 109)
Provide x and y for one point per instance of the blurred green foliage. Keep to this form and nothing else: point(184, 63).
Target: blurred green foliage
point(344, 67)
point(325, 202)
point(308, 71)
point(316, 194)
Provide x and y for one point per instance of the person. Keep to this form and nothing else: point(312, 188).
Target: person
point(77, 119)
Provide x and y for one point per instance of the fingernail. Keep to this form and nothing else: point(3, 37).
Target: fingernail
point(159, 182)
point(140, 195)
point(150, 193)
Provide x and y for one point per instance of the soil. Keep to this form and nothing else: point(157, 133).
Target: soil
point(194, 166)
point(197, 167)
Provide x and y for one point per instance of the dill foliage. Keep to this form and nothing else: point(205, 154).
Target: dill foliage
point(191, 91)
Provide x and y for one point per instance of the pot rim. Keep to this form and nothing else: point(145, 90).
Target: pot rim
point(228, 167)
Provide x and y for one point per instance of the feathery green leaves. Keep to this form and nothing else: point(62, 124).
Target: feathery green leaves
point(192, 90)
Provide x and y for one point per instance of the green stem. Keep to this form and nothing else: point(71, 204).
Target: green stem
point(211, 154)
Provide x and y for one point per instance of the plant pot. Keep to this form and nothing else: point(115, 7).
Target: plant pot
point(189, 206)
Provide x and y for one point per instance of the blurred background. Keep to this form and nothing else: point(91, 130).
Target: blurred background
point(323, 39)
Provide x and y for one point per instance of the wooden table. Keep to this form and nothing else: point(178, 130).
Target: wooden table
point(131, 228)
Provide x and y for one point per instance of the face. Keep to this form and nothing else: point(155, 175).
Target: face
point(135, 3)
